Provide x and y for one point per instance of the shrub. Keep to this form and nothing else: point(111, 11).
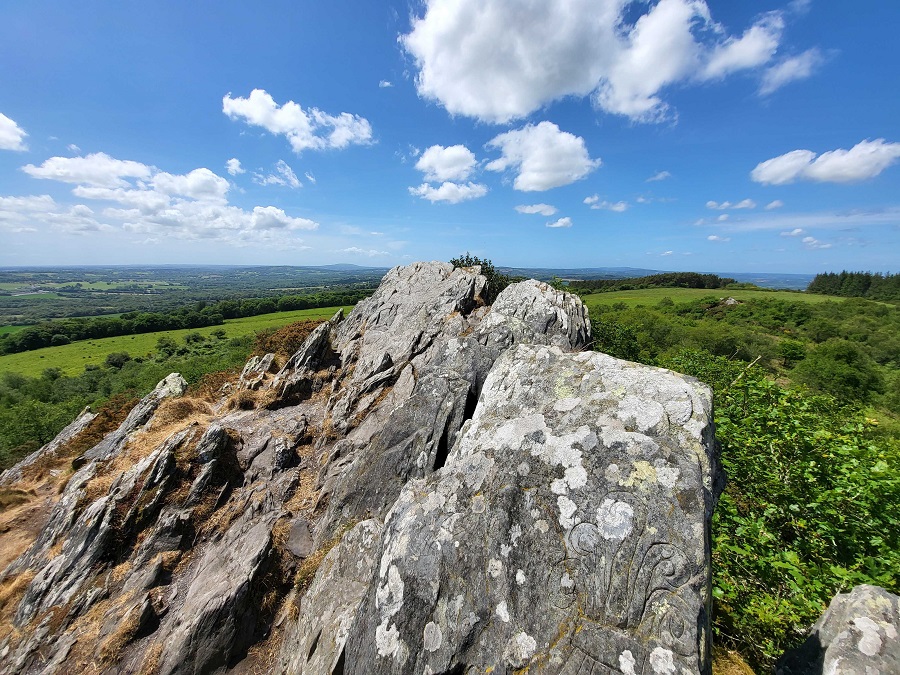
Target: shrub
point(496, 281)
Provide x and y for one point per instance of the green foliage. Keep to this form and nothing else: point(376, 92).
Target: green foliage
point(117, 360)
point(805, 513)
point(615, 339)
point(496, 281)
point(840, 368)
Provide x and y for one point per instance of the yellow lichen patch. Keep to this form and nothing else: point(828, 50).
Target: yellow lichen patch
point(643, 472)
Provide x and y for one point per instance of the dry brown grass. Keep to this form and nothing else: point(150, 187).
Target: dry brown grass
point(286, 340)
point(11, 591)
point(308, 568)
point(108, 418)
point(174, 410)
point(152, 656)
point(209, 387)
point(245, 399)
point(727, 662)
point(124, 633)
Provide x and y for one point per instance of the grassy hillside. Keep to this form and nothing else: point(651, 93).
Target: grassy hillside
point(651, 296)
point(72, 358)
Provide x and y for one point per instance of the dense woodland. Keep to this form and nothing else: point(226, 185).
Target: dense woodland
point(884, 287)
point(666, 280)
point(807, 406)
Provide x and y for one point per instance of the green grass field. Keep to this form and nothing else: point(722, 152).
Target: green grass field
point(72, 358)
point(651, 296)
point(6, 330)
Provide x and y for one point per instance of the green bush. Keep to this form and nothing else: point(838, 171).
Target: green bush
point(805, 513)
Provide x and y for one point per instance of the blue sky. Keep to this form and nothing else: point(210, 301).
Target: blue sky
point(672, 134)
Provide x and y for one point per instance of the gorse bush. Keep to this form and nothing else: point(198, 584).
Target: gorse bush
point(809, 509)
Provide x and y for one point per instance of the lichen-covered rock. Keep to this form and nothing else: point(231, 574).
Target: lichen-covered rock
point(568, 531)
point(859, 634)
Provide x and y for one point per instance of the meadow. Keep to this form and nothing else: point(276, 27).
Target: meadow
point(71, 359)
point(652, 296)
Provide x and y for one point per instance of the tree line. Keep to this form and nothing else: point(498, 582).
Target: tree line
point(665, 280)
point(884, 287)
point(197, 315)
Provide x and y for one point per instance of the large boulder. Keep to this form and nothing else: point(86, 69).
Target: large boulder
point(568, 531)
point(859, 634)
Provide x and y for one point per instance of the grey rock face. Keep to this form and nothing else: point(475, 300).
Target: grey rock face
point(315, 642)
point(568, 531)
point(859, 634)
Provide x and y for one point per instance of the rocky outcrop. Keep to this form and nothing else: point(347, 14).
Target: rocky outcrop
point(859, 634)
point(429, 485)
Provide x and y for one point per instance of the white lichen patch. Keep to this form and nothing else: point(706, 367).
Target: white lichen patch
point(495, 567)
point(519, 649)
point(641, 414)
point(520, 577)
point(662, 662)
point(870, 637)
point(387, 640)
point(615, 519)
point(479, 504)
point(505, 549)
point(566, 582)
point(514, 533)
point(667, 476)
point(566, 404)
point(567, 509)
point(523, 469)
point(389, 595)
point(627, 663)
point(432, 637)
point(502, 611)
point(542, 526)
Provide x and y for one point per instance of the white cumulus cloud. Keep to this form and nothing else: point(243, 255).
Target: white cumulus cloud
point(618, 207)
point(12, 136)
point(191, 206)
point(502, 60)
point(659, 175)
point(284, 175)
point(791, 69)
point(813, 243)
point(776, 204)
point(452, 193)
point(562, 222)
point(454, 163)
point(233, 166)
point(796, 232)
point(309, 129)
point(98, 169)
point(385, 84)
point(542, 156)
point(864, 160)
point(715, 237)
point(542, 209)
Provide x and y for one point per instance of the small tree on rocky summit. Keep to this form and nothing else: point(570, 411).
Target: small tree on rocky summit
point(496, 282)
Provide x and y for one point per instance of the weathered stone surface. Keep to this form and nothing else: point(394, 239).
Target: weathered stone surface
point(315, 642)
point(218, 615)
point(440, 366)
point(859, 634)
point(255, 370)
point(569, 530)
